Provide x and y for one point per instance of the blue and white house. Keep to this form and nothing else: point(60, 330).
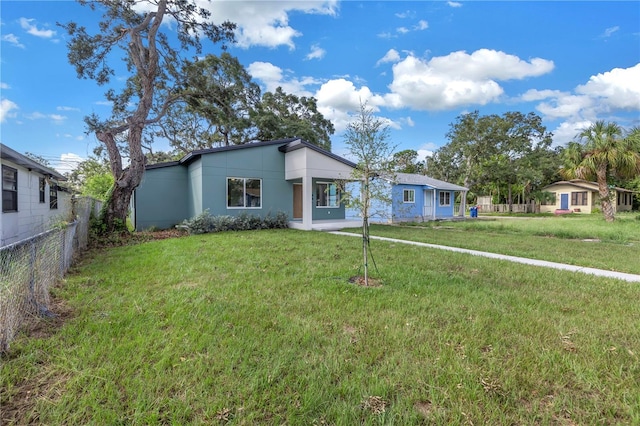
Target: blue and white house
point(414, 198)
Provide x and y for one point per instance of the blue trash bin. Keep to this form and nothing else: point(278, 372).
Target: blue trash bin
point(473, 212)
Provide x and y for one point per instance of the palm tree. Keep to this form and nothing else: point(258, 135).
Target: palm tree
point(603, 153)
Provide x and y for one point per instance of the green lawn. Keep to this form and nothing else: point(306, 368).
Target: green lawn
point(584, 240)
point(263, 327)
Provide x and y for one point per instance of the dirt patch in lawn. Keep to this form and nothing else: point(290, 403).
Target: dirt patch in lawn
point(370, 282)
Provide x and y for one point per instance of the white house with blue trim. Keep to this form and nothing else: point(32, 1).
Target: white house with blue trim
point(414, 198)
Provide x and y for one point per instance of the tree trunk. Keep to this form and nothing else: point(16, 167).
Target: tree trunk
point(126, 181)
point(510, 198)
point(605, 196)
point(365, 231)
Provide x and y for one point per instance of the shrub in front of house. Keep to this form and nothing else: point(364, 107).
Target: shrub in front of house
point(206, 223)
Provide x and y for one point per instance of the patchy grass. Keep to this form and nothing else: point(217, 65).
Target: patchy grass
point(585, 240)
point(264, 327)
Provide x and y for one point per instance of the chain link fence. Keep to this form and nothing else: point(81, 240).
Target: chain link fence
point(31, 267)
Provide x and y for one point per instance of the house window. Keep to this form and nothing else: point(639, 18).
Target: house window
point(244, 193)
point(53, 197)
point(42, 185)
point(579, 198)
point(9, 189)
point(551, 201)
point(445, 198)
point(327, 195)
point(409, 196)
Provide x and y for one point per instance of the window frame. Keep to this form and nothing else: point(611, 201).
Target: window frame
point(447, 196)
point(13, 191)
point(579, 198)
point(411, 199)
point(244, 193)
point(544, 202)
point(326, 195)
point(42, 188)
point(53, 197)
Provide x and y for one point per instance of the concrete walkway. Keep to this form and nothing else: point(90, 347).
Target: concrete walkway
point(591, 271)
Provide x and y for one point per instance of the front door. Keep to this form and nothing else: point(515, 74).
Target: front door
point(297, 201)
point(564, 201)
point(427, 211)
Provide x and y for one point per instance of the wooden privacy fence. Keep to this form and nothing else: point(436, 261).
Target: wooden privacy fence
point(504, 208)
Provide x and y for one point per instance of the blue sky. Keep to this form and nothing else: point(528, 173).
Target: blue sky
point(418, 64)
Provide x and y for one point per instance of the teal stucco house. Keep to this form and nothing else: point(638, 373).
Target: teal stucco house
point(261, 178)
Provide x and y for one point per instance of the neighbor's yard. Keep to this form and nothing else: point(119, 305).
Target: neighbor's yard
point(263, 327)
point(584, 240)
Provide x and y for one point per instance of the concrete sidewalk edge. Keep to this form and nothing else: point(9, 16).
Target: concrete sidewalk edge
point(544, 263)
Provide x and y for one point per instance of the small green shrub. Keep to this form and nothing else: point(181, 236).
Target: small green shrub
point(200, 224)
point(279, 221)
point(205, 223)
point(222, 223)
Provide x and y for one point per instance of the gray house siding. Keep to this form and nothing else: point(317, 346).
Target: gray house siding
point(198, 182)
point(265, 163)
point(162, 193)
point(177, 192)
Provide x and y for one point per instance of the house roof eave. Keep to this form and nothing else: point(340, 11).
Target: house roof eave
point(26, 162)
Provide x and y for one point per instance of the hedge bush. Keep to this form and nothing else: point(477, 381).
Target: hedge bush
point(205, 223)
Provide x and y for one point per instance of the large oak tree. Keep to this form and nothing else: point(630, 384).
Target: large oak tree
point(152, 55)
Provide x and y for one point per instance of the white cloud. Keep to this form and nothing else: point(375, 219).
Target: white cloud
point(4, 86)
point(568, 130)
point(27, 25)
point(316, 52)
point(617, 89)
point(609, 31)
point(391, 56)
point(68, 162)
point(6, 106)
point(422, 25)
point(487, 63)
point(538, 95)
point(402, 30)
point(67, 108)
point(266, 23)
point(273, 77)
point(55, 118)
point(604, 94)
point(565, 106)
point(339, 99)
point(12, 39)
point(406, 14)
point(426, 150)
point(454, 4)
point(458, 79)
